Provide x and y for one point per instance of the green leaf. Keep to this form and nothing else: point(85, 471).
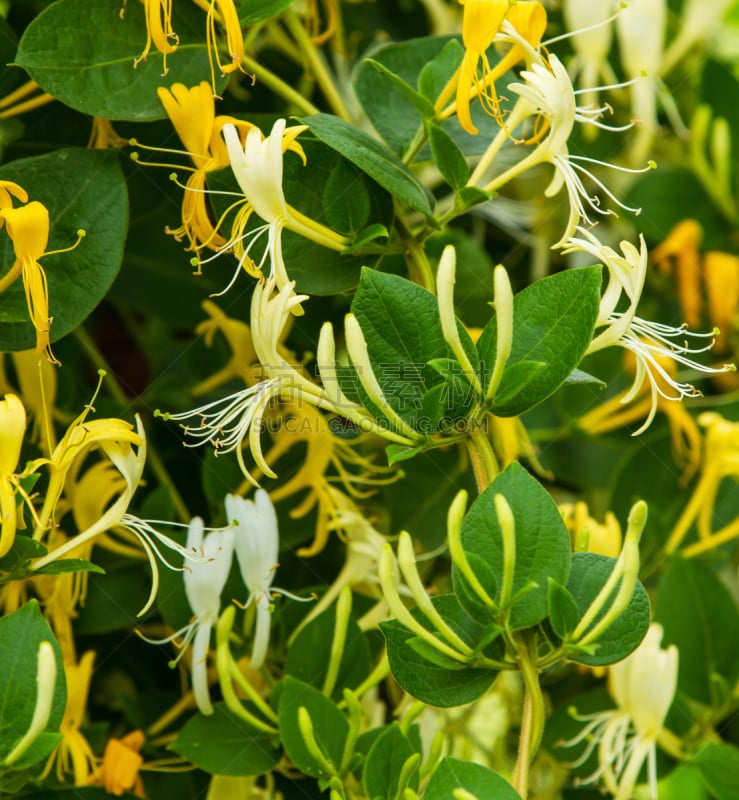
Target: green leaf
point(24, 549)
point(82, 52)
point(719, 767)
point(448, 158)
point(384, 763)
point(422, 648)
point(330, 727)
point(346, 201)
point(64, 565)
point(21, 634)
point(82, 189)
point(437, 71)
point(481, 782)
point(563, 614)
point(553, 321)
point(400, 452)
point(372, 157)
point(401, 325)
point(425, 679)
point(224, 744)
point(542, 542)
point(418, 101)
point(577, 376)
point(470, 196)
point(310, 654)
point(588, 575)
point(700, 616)
point(251, 11)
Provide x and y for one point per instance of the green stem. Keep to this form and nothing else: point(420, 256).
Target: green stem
point(116, 390)
point(484, 462)
point(277, 85)
point(532, 724)
point(419, 268)
point(317, 65)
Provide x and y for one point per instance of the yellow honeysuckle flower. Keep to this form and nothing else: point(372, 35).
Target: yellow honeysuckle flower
point(118, 772)
point(225, 13)
point(159, 30)
point(36, 383)
point(9, 190)
point(511, 442)
point(73, 755)
point(721, 461)
point(192, 113)
point(680, 253)
point(243, 363)
point(721, 276)
point(12, 433)
point(103, 135)
point(621, 410)
point(28, 228)
point(481, 21)
point(603, 537)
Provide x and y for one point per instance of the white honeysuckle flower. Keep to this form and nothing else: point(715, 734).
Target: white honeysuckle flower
point(643, 686)
point(204, 579)
point(256, 539)
point(641, 34)
point(650, 342)
point(549, 94)
point(591, 34)
point(258, 169)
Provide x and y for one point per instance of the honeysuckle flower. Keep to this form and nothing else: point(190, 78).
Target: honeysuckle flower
point(10, 190)
point(602, 537)
point(650, 342)
point(680, 253)
point(258, 167)
point(591, 36)
point(74, 755)
point(12, 433)
point(204, 581)
point(159, 30)
point(223, 12)
point(28, 228)
point(721, 276)
point(192, 113)
point(641, 33)
point(481, 20)
point(643, 686)
point(721, 461)
point(256, 539)
point(548, 93)
point(103, 135)
point(45, 683)
point(118, 771)
point(615, 413)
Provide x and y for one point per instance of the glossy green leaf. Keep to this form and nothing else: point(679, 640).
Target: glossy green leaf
point(83, 52)
point(435, 73)
point(418, 101)
point(82, 189)
point(563, 614)
point(553, 322)
point(330, 727)
point(426, 680)
point(699, 615)
point(542, 542)
point(384, 763)
point(63, 565)
point(589, 573)
point(21, 634)
point(479, 781)
point(448, 158)
point(372, 157)
point(224, 744)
